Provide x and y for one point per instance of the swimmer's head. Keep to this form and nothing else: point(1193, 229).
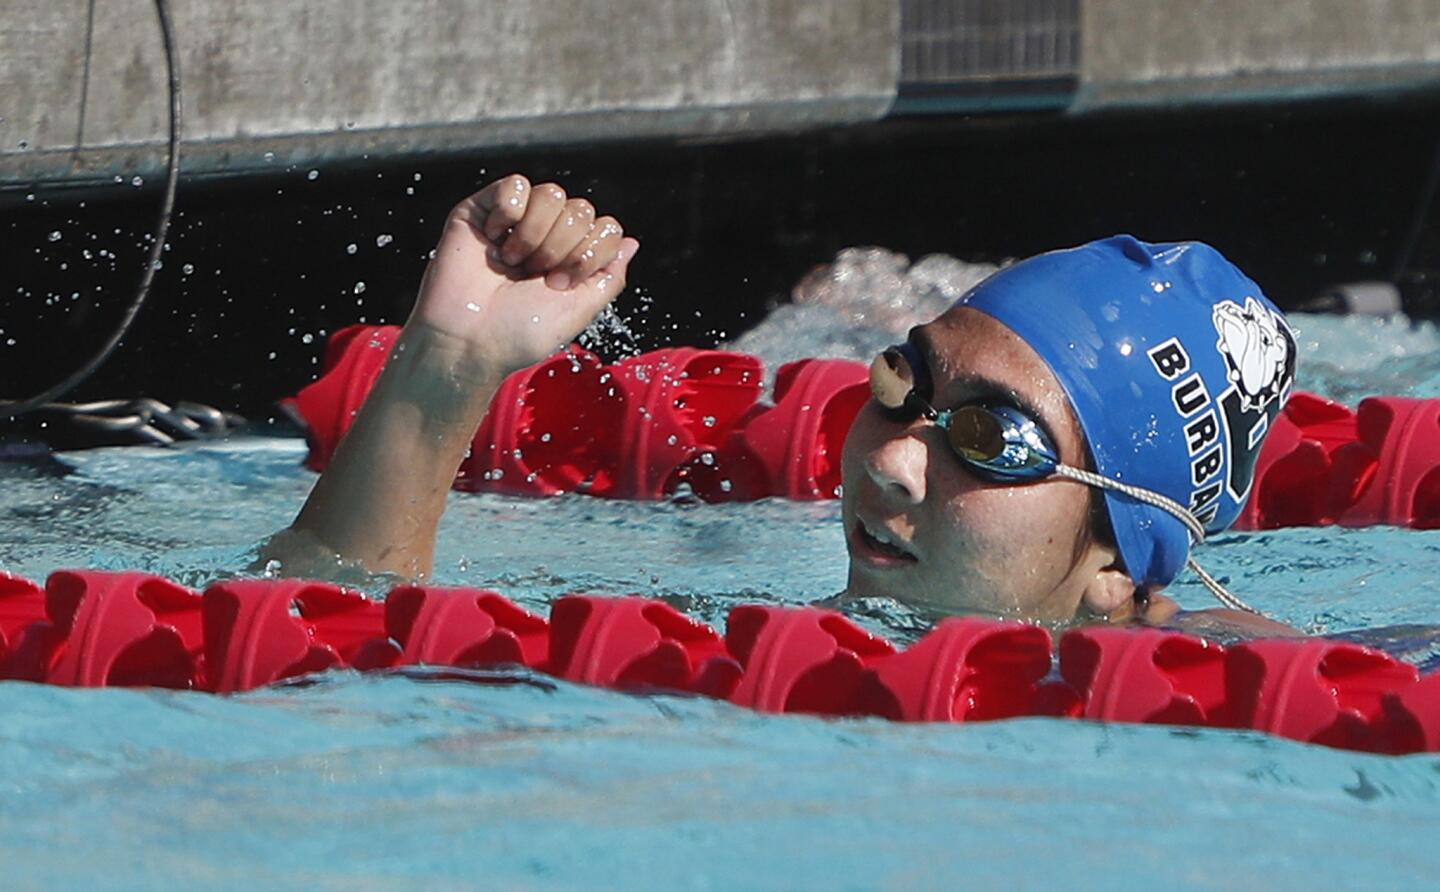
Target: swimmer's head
point(1160, 366)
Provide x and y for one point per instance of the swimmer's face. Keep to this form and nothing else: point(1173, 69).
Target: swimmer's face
point(923, 529)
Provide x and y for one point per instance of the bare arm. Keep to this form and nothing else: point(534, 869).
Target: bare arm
point(518, 273)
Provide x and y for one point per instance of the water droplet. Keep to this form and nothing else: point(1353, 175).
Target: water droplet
point(307, 338)
point(534, 320)
point(383, 239)
point(545, 437)
point(269, 156)
point(709, 420)
point(672, 440)
point(351, 248)
point(359, 287)
point(313, 175)
point(137, 182)
point(707, 458)
point(726, 486)
point(188, 268)
point(54, 235)
point(473, 307)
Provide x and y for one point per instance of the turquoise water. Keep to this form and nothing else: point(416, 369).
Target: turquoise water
point(410, 781)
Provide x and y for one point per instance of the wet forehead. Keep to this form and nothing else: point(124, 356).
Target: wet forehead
point(973, 355)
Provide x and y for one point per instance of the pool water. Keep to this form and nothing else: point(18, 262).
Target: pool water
point(516, 781)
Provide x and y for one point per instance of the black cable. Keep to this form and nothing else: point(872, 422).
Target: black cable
point(172, 69)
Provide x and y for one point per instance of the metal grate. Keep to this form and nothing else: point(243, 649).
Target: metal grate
point(955, 42)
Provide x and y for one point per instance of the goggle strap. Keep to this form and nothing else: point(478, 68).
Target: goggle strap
point(1221, 593)
point(1170, 506)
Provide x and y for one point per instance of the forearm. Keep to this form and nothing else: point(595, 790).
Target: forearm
point(380, 501)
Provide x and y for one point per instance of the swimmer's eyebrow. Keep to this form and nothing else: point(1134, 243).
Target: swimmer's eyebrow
point(978, 386)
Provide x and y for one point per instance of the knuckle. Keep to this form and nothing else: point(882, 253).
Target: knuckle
point(551, 192)
point(608, 227)
point(580, 207)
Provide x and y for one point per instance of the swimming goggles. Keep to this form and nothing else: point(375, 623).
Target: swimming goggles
point(1001, 444)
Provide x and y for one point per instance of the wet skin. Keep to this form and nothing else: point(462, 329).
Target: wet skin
point(957, 542)
point(521, 269)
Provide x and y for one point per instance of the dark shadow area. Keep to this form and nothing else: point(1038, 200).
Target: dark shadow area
point(261, 267)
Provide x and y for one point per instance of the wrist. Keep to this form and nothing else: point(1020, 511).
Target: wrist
point(444, 375)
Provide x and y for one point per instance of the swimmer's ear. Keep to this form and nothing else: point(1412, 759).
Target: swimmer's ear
point(1109, 590)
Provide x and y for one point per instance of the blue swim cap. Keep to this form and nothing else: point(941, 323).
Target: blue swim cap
point(1176, 365)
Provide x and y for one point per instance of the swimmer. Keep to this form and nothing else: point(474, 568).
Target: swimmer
point(1048, 449)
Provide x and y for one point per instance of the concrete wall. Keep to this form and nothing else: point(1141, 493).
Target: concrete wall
point(277, 82)
point(320, 79)
point(1143, 52)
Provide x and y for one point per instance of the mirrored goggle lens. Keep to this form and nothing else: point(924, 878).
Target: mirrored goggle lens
point(1001, 440)
point(892, 379)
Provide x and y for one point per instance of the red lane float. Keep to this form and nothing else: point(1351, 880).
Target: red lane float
point(95, 628)
point(539, 436)
point(1146, 675)
point(970, 670)
point(261, 631)
point(800, 659)
point(1391, 473)
point(1316, 691)
point(642, 428)
point(791, 449)
point(354, 357)
point(672, 403)
point(462, 627)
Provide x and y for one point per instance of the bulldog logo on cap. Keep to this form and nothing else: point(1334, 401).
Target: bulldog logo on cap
point(1255, 350)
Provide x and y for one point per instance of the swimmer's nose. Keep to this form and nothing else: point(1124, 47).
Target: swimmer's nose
point(898, 466)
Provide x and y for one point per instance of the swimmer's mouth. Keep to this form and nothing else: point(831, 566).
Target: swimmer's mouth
point(879, 547)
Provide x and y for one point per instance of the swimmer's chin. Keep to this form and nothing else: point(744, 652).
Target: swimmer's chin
point(864, 595)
